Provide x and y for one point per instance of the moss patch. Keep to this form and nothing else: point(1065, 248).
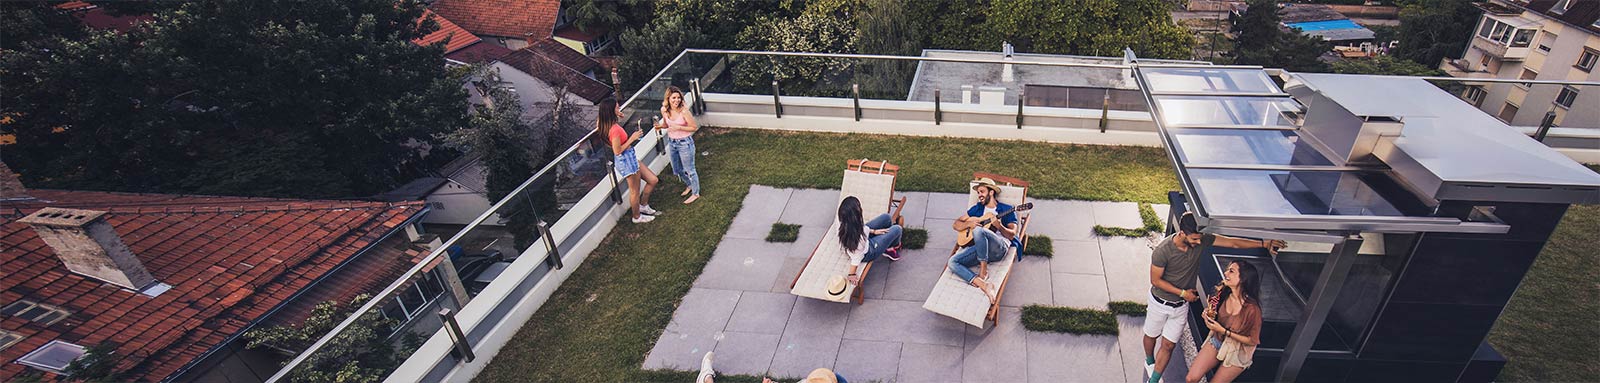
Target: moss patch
point(1068, 320)
point(1129, 308)
point(914, 238)
point(783, 232)
point(1039, 245)
point(1147, 216)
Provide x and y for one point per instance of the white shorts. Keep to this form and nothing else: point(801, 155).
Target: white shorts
point(1165, 321)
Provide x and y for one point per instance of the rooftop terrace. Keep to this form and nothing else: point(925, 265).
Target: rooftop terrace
point(594, 298)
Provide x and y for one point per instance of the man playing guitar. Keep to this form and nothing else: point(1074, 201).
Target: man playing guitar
point(990, 241)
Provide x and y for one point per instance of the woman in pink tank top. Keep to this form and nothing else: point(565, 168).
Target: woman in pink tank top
point(680, 127)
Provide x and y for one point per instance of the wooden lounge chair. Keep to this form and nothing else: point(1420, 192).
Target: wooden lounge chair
point(872, 182)
point(956, 298)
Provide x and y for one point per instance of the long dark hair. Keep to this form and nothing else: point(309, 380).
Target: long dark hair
point(608, 116)
point(850, 226)
point(1249, 281)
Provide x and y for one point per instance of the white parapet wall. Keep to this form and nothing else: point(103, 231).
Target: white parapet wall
point(916, 118)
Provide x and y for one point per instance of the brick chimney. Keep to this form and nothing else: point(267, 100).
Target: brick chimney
point(87, 245)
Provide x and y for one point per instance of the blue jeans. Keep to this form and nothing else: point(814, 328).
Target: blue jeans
point(877, 244)
point(682, 154)
point(986, 246)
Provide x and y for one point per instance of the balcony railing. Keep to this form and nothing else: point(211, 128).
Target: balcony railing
point(548, 225)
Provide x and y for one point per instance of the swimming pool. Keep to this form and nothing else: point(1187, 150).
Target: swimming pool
point(1324, 25)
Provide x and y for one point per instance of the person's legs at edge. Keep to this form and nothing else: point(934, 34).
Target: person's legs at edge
point(674, 147)
point(882, 221)
point(1203, 363)
point(689, 169)
point(1174, 324)
point(1226, 374)
point(1155, 323)
point(649, 179)
point(633, 194)
point(877, 244)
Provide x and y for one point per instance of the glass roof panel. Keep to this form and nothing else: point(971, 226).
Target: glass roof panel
point(1245, 147)
point(1209, 80)
point(1278, 192)
point(1177, 111)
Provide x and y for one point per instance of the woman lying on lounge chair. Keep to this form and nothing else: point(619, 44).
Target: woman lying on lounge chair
point(865, 242)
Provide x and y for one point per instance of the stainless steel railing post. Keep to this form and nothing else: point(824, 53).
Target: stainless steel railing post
point(938, 115)
point(457, 337)
point(777, 105)
point(855, 90)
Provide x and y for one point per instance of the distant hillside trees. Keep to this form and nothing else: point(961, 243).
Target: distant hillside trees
point(264, 98)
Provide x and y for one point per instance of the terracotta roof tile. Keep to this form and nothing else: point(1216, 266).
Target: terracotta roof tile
point(504, 18)
point(457, 36)
point(564, 55)
point(543, 68)
point(229, 261)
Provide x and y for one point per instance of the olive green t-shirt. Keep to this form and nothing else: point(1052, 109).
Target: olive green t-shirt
point(1179, 267)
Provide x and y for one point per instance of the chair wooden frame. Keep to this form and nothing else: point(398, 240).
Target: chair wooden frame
point(895, 207)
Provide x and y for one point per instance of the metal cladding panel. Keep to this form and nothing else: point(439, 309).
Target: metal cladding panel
point(1471, 155)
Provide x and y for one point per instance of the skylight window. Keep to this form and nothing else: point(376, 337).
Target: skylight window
point(53, 357)
point(8, 338)
point(44, 315)
point(1561, 7)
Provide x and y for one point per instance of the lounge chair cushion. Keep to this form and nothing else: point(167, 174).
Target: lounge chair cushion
point(827, 261)
point(955, 298)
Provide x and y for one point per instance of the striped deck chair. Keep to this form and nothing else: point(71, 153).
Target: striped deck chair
point(955, 298)
point(872, 182)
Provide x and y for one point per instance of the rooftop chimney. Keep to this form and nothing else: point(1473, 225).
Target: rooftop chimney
point(87, 245)
point(10, 187)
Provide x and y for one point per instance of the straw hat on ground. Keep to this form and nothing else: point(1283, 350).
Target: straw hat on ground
point(821, 375)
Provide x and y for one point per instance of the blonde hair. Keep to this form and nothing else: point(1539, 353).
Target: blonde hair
point(666, 99)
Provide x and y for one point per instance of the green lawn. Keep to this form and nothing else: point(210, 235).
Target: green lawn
point(1551, 330)
point(601, 322)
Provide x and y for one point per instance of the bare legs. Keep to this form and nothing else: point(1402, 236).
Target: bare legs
point(638, 195)
point(1161, 357)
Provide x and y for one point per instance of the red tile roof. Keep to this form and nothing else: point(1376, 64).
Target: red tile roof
point(564, 55)
point(504, 18)
point(230, 261)
point(542, 67)
point(1579, 13)
point(481, 52)
point(459, 38)
point(96, 17)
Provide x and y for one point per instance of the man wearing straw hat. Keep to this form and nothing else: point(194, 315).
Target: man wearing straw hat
point(988, 245)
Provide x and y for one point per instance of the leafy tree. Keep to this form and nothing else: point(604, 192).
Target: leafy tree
point(824, 27)
point(652, 47)
point(1389, 65)
point(889, 27)
point(271, 98)
point(1431, 30)
point(1261, 42)
point(588, 14)
point(1084, 27)
point(721, 21)
point(360, 353)
point(98, 364)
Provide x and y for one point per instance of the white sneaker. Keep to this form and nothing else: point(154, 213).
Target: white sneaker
point(1149, 368)
point(642, 218)
point(645, 209)
point(705, 369)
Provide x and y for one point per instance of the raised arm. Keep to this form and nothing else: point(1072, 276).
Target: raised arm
point(1240, 243)
point(1155, 280)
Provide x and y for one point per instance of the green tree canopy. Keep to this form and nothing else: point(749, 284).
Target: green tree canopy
point(1078, 27)
point(1261, 42)
point(362, 352)
point(1431, 30)
point(270, 98)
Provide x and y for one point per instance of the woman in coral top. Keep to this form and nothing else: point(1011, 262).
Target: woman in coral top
point(627, 162)
point(1235, 324)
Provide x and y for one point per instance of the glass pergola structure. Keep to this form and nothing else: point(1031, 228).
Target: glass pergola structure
point(1411, 215)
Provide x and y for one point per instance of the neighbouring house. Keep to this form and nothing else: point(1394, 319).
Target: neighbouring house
point(98, 17)
point(1534, 40)
point(1318, 20)
point(513, 24)
point(172, 282)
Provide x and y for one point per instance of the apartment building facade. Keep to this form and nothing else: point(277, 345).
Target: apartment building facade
point(1534, 40)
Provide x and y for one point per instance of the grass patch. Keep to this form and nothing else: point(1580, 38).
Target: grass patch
point(1549, 329)
point(599, 325)
point(1039, 245)
point(1068, 320)
point(1147, 216)
point(1129, 308)
point(914, 238)
point(783, 232)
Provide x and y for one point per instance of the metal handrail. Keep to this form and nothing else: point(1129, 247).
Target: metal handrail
point(417, 268)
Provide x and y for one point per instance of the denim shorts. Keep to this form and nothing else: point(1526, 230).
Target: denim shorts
point(1215, 342)
point(627, 163)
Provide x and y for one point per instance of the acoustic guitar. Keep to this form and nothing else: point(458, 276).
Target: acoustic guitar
point(964, 229)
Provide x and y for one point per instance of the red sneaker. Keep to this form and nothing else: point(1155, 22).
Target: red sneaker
point(892, 253)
